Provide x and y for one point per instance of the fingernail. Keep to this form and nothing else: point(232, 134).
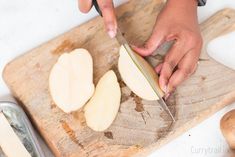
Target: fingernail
point(165, 89)
point(112, 33)
point(167, 96)
point(132, 45)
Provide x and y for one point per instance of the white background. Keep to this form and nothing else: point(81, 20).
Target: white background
point(25, 24)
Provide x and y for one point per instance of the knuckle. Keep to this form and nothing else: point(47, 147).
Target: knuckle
point(194, 39)
point(187, 71)
point(171, 63)
point(164, 75)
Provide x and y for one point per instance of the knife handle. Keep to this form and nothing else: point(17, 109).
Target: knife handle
point(97, 8)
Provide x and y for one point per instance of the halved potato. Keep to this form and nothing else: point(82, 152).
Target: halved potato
point(9, 141)
point(71, 80)
point(135, 79)
point(103, 107)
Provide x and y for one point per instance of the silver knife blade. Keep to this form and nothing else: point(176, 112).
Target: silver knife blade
point(123, 41)
point(120, 38)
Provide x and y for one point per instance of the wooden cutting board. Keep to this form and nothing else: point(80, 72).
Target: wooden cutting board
point(140, 126)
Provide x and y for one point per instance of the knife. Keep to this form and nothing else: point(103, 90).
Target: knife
point(122, 41)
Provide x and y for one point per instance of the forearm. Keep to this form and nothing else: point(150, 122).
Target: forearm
point(197, 2)
point(182, 10)
point(186, 5)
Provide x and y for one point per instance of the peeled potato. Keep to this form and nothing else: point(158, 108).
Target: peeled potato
point(134, 78)
point(227, 126)
point(103, 107)
point(9, 141)
point(71, 80)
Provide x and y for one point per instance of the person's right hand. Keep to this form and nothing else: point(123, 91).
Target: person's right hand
point(107, 9)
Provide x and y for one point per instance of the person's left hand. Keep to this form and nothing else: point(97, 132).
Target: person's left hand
point(177, 21)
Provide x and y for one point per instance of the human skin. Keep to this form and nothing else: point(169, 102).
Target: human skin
point(177, 21)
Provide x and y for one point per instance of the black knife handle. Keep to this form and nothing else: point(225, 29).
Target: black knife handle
point(97, 8)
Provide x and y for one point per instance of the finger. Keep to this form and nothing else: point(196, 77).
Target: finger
point(171, 60)
point(186, 68)
point(107, 9)
point(166, 96)
point(166, 72)
point(158, 68)
point(155, 40)
point(84, 6)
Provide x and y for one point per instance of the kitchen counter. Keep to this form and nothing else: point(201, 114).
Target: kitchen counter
point(26, 24)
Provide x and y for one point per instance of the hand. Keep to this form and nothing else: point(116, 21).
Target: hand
point(107, 9)
point(177, 21)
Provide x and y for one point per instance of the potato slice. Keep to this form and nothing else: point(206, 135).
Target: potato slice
point(9, 141)
point(134, 78)
point(103, 107)
point(71, 80)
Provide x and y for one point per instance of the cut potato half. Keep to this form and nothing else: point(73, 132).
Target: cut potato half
point(71, 80)
point(135, 79)
point(9, 141)
point(103, 107)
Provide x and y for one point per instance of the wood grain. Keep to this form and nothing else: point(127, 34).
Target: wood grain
point(141, 126)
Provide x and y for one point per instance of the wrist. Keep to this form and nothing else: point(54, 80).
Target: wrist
point(183, 3)
point(182, 11)
point(182, 8)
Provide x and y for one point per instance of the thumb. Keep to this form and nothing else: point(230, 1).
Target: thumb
point(84, 6)
point(155, 40)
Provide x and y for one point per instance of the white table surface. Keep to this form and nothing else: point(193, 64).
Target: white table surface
point(25, 24)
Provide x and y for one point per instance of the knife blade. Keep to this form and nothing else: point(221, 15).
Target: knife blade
point(142, 69)
point(122, 41)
